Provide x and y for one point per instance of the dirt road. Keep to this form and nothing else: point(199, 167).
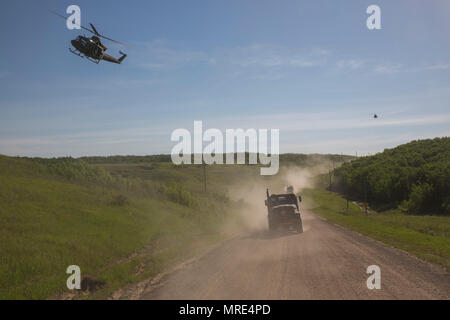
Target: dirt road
point(325, 262)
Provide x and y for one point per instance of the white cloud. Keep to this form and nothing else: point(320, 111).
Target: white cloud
point(350, 64)
point(269, 56)
point(387, 68)
point(301, 132)
point(322, 121)
point(159, 54)
point(395, 68)
point(436, 66)
point(363, 145)
point(263, 57)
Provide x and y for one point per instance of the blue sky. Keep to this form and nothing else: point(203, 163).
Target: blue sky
point(309, 68)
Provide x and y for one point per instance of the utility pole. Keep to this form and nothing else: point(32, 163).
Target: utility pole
point(365, 194)
point(329, 174)
point(346, 191)
point(347, 205)
point(204, 177)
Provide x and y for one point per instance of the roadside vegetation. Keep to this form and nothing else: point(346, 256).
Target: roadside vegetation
point(414, 177)
point(60, 212)
point(425, 236)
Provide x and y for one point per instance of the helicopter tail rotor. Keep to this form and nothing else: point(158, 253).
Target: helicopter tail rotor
point(124, 55)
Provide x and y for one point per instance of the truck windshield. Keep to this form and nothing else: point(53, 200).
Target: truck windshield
point(277, 200)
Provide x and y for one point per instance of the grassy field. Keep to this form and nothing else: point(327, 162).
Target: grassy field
point(427, 237)
point(126, 219)
point(118, 230)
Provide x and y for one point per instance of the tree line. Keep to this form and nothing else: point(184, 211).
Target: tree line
point(414, 176)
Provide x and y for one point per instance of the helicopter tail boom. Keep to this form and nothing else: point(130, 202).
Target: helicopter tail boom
point(109, 58)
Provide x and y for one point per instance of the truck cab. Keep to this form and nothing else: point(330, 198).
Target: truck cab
point(283, 211)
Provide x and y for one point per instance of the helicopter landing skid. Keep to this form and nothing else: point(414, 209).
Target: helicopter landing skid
point(78, 53)
point(93, 60)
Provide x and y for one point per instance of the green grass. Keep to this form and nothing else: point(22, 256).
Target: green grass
point(49, 221)
point(427, 237)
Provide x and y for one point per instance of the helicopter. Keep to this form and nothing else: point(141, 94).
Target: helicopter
point(92, 48)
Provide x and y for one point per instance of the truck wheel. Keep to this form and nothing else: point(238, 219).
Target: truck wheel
point(300, 226)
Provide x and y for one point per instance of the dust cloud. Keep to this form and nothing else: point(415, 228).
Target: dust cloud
point(252, 193)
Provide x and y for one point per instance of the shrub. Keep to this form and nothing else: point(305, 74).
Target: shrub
point(420, 198)
point(177, 193)
point(120, 200)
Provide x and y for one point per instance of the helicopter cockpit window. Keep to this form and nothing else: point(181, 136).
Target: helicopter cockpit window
point(82, 41)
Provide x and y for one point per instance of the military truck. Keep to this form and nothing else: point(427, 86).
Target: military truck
point(284, 211)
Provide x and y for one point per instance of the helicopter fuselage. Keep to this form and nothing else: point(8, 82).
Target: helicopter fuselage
point(93, 49)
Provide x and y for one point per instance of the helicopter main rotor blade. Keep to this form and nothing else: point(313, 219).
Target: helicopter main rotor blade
point(65, 18)
point(94, 31)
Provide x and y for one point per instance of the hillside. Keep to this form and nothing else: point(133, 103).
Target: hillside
point(414, 176)
point(59, 212)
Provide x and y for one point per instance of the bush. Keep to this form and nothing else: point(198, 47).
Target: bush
point(446, 206)
point(420, 198)
point(177, 193)
point(120, 200)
